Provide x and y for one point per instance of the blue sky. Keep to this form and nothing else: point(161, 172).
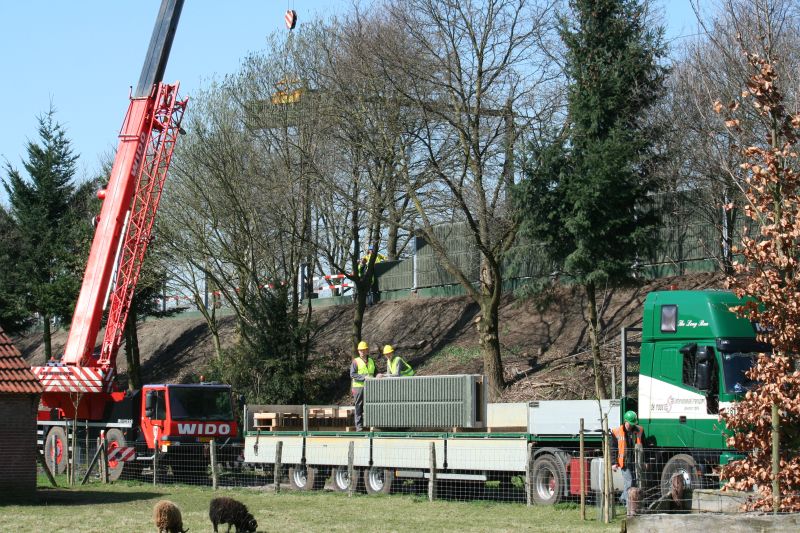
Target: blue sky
point(83, 55)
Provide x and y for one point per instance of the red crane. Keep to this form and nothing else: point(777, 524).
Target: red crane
point(130, 201)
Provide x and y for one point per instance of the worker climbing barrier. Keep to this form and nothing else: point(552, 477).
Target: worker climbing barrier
point(466, 467)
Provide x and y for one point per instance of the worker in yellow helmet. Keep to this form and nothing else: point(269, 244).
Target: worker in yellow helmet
point(363, 367)
point(396, 366)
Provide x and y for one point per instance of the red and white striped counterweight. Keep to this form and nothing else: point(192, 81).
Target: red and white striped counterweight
point(63, 378)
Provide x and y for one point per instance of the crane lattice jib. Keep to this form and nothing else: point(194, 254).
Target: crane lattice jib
point(163, 132)
point(147, 140)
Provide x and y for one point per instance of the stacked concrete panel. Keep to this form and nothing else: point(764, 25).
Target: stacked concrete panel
point(426, 402)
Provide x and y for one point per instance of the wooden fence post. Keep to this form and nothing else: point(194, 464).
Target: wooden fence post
point(104, 457)
point(582, 459)
point(529, 476)
point(351, 470)
point(45, 467)
point(212, 445)
point(278, 471)
point(53, 462)
point(432, 479)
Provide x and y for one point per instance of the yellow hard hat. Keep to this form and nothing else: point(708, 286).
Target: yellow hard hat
point(363, 345)
point(388, 349)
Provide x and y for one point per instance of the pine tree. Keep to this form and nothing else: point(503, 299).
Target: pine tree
point(13, 316)
point(586, 193)
point(45, 221)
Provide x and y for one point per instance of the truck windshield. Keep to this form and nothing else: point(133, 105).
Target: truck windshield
point(734, 366)
point(200, 403)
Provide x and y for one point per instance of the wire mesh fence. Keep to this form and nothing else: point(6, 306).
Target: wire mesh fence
point(465, 468)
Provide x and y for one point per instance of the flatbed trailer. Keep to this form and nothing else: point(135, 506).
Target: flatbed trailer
point(382, 458)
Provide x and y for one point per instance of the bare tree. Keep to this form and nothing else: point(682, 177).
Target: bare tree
point(710, 67)
point(476, 65)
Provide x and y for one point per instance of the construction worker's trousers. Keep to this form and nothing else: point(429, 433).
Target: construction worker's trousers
point(358, 395)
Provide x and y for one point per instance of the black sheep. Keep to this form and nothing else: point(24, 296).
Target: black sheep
point(231, 512)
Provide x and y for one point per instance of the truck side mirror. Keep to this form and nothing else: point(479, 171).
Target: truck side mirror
point(150, 400)
point(242, 401)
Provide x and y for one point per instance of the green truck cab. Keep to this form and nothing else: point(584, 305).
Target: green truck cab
point(694, 354)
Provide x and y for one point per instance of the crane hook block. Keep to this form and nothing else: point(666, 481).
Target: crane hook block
point(291, 19)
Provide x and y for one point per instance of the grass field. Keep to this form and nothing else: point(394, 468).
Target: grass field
point(127, 507)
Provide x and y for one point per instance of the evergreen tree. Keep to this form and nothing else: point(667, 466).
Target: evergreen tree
point(46, 224)
point(586, 193)
point(13, 316)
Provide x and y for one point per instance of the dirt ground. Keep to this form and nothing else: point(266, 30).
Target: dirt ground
point(543, 340)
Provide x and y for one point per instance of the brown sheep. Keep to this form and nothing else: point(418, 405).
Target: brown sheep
point(167, 517)
point(231, 512)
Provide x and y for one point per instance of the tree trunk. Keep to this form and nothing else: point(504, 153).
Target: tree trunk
point(391, 238)
point(362, 289)
point(600, 389)
point(489, 331)
point(132, 350)
point(46, 336)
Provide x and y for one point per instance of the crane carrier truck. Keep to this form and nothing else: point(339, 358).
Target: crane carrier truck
point(80, 388)
point(693, 352)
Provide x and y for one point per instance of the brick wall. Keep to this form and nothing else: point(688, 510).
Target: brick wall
point(18, 445)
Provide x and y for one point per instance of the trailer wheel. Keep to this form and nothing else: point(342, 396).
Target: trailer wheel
point(341, 478)
point(548, 480)
point(55, 447)
point(378, 480)
point(115, 439)
point(682, 465)
point(302, 477)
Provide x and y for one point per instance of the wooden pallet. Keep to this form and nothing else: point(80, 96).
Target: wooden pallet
point(325, 418)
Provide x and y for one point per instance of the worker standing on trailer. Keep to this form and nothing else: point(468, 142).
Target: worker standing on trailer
point(396, 366)
point(363, 367)
point(623, 447)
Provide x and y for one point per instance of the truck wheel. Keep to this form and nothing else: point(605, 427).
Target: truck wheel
point(341, 478)
point(378, 480)
point(55, 447)
point(302, 477)
point(115, 439)
point(682, 465)
point(548, 480)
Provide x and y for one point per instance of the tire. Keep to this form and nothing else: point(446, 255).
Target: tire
point(55, 446)
point(302, 477)
point(341, 479)
point(378, 480)
point(115, 439)
point(548, 480)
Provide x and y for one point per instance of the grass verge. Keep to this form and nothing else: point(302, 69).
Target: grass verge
point(127, 507)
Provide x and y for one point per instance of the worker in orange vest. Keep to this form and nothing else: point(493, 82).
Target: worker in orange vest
point(623, 451)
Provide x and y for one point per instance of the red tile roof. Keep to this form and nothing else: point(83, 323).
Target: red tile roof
point(15, 374)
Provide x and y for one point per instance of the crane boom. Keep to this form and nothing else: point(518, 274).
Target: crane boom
point(130, 202)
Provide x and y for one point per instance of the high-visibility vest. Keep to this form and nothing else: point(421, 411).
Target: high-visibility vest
point(365, 369)
point(393, 364)
point(619, 433)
